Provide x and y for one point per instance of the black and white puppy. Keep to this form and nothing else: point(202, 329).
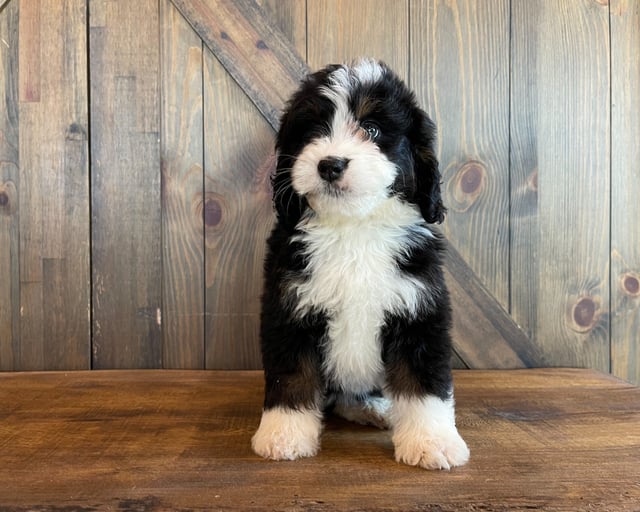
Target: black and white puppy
point(355, 311)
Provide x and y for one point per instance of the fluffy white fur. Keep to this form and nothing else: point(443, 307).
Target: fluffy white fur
point(287, 434)
point(425, 434)
point(370, 173)
point(353, 278)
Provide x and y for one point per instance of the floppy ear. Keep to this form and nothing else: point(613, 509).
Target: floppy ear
point(428, 196)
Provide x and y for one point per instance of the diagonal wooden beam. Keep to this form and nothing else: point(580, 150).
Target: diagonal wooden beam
point(254, 52)
point(261, 60)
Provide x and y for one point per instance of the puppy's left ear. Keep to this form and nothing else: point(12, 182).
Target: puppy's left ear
point(428, 196)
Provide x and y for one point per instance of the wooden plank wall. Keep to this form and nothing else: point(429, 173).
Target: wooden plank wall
point(134, 194)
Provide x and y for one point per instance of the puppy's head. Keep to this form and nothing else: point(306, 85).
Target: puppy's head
point(351, 137)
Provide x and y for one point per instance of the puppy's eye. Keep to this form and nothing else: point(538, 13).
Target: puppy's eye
point(371, 129)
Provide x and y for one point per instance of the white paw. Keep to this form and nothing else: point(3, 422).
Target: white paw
point(425, 434)
point(433, 451)
point(288, 434)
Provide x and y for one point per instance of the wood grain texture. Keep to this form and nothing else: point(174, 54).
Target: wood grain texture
point(483, 334)
point(625, 190)
point(460, 72)
point(182, 161)
point(9, 185)
point(54, 187)
point(290, 16)
point(340, 31)
point(250, 47)
point(165, 440)
point(565, 157)
point(238, 217)
point(126, 198)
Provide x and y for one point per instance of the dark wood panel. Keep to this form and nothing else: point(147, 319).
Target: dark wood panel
point(125, 159)
point(250, 47)
point(625, 186)
point(341, 31)
point(9, 185)
point(460, 71)
point(157, 441)
point(482, 338)
point(560, 228)
point(54, 187)
point(290, 16)
point(182, 192)
point(238, 217)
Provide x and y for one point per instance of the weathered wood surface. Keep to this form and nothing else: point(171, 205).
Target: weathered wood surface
point(540, 185)
point(625, 189)
point(376, 27)
point(9, 185)
point(561, 181)
point(250, 47)
point(466, 45)
point(44, 187)
point(177, 440)
point(182, 161)
point(126, 199)
point(238, 217)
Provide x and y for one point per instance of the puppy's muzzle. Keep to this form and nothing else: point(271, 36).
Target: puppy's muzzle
point(332, 168)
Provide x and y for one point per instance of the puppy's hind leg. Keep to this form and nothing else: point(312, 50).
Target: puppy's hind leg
point(371, 409)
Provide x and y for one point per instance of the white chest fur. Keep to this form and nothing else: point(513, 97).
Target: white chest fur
point(355, 281)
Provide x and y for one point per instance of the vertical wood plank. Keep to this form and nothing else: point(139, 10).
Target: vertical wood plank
point(460, 72)
point(625, 193)
point(340, 31)
point(126, 197)
point(9, 184)
point(29, 44)
point(560, 181)
point(238, 217)
point(182, 192)
point(54, 187)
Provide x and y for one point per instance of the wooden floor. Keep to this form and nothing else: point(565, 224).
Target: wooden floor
point(180, 440)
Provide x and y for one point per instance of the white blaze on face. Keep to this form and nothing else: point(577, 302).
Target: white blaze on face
point(365, 182)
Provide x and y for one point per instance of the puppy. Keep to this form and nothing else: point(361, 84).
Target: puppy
point(355, 312)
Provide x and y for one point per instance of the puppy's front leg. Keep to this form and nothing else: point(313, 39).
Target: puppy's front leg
point(419, 381)
point(425, 434)
point(291, 421)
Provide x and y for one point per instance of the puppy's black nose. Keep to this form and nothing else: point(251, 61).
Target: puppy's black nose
point(332, 167)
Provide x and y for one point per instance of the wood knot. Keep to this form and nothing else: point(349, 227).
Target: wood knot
point(214, 211)
point(630, 283)
point(585, 313)
point(468, 184)
point(261, 45)
point(75, 131)
point(8, 198)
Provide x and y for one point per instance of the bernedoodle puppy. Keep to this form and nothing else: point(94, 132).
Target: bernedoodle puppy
point(355, 311)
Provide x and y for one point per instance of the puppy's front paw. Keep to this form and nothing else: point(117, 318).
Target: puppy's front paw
point(433, 451)
point(425, 434)
point(288, 434)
